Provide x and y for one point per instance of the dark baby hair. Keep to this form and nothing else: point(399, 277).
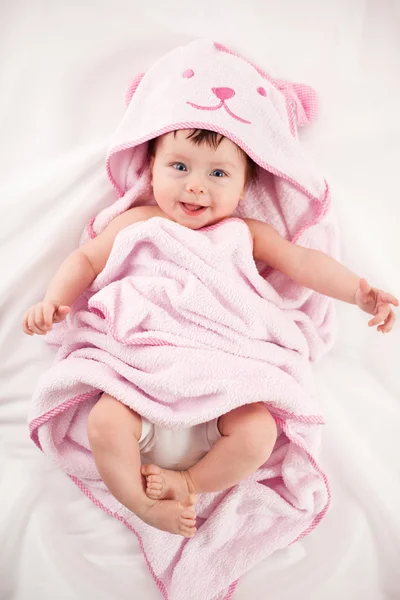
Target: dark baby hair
point(213, 139)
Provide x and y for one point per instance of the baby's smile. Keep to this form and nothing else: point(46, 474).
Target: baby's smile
point(193, 210)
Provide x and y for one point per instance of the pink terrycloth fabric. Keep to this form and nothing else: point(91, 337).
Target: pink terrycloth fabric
point(182, 327)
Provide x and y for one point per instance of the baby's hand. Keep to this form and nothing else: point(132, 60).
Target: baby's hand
point(40, 317)
point(376, 302)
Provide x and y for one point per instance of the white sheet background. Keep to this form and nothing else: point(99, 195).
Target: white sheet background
point(64, 68)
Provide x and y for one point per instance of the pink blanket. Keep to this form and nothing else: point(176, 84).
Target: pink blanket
point(182, 327)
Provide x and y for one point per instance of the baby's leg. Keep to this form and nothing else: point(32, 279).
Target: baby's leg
point(114, 432)
point(248, 437)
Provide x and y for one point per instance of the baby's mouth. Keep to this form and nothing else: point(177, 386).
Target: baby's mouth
point(192, 209)
point(192, 206)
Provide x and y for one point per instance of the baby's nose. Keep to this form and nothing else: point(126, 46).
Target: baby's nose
point(223, 93)
point(196, 188)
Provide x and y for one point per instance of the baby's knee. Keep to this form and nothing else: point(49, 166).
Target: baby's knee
point(108, 418)
point(258, 430)
point(98, 423)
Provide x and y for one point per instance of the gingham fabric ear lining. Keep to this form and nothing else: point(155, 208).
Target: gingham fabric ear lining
point(302, 98)
point(133, 87)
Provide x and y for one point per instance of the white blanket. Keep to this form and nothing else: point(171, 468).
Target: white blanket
point(63, 69)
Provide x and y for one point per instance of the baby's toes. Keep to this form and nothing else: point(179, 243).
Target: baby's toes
point(154, 479)
point(187, 531)
point(189, 513)
point(154, 490)
point(154, 485)
point(150, 470)
point(187, 522)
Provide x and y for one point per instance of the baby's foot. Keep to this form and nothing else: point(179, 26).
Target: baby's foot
point(170, 515)
point(166, 484)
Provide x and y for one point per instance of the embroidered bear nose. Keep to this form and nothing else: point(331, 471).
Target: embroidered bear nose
point(223, 93)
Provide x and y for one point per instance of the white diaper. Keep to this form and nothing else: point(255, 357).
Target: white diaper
point(177, 450)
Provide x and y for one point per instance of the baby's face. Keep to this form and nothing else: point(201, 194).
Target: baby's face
point(195, 185)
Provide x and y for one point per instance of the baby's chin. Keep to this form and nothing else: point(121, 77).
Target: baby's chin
point(204, 224)
point(196, 225)
point(205, 220)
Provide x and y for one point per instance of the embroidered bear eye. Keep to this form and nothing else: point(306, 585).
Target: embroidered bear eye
point(188, 73)
point(261, 91)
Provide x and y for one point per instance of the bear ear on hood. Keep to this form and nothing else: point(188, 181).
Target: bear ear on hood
point(302, 98)
point(132, 88)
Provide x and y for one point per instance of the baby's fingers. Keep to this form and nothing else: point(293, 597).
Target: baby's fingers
point(390, 299)
point(36, 321)
point(388, 324)
point(31, 320)
point(61, 313)
point(48, 312)
point(39, 318)
point(24, 324)
point(382, 314)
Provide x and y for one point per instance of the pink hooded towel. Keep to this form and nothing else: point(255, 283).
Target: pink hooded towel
point(182, 326)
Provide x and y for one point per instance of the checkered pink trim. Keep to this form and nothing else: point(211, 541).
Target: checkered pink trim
point(95, 501)
point(323, 209)
point(323, 205)
point(36, 423)
point(158, 581)
point(33, 428)
point(133, 87)
point(90, 229)
point(308, 419)
point(323, 512)
point(231, 590)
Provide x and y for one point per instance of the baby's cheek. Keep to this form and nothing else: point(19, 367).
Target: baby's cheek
point(164, 191)
point(230, 191)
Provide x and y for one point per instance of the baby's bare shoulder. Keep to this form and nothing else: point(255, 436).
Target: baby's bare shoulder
point(98, 249)
point(258, 228)
point(139, 213)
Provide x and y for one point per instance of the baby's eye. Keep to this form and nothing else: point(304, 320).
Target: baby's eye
point(179, 166)
point(218, 173)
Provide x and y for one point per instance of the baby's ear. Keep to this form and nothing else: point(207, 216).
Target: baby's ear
point(302, 99)
point(243, 192)
point(151, 163)
point(133, 87)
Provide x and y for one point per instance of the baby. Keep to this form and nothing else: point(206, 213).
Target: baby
point(198, 179)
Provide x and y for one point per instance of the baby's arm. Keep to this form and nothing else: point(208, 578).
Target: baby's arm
point(77, 272)
point(320, 272)
point(310, 268)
